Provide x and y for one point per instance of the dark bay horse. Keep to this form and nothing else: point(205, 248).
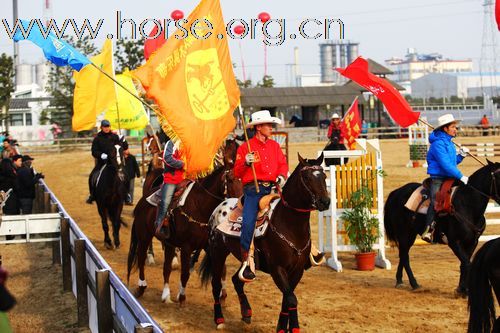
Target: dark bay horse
point(283, 251)
point(110, 194)
point(483, 276)
point(189, 224)
point(462, 229)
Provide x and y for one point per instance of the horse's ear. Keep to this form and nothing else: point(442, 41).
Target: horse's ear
point(319, 160)
point(301, 160)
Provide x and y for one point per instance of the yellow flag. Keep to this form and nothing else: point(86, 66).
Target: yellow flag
point(191, 79)
point(131, 113)
point(93, 90)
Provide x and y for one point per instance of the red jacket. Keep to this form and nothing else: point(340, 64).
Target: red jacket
point(270, 162)
point(174, 166)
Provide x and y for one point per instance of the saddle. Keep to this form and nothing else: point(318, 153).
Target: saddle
point(181, 192)
point(230, 216)
point(419, 200)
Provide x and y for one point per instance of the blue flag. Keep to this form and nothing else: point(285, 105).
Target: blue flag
point(56, 50)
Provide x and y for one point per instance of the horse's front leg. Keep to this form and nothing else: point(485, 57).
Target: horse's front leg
point(288, 320)
point(464, 258)
point(116, 222)
point(246, 309)
point(169, 253)
point(141, 263)
point(104, 221)
point(185, 273)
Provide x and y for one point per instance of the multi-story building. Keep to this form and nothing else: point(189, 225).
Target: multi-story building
point(415, 65)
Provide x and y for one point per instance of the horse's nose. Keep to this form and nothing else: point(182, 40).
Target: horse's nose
point(325, 201)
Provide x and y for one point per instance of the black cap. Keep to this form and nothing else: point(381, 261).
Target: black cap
point(16, 157)
point(27, 158)
point(105, 123)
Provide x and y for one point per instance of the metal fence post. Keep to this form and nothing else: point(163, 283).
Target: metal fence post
point(66, 254)
point(81, 283)
point(103, 297)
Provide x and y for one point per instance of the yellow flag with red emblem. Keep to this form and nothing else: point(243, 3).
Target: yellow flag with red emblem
point(192, 81)
point(351, 125)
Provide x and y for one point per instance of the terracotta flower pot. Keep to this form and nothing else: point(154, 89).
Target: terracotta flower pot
point(415, 164)
point(365, 261)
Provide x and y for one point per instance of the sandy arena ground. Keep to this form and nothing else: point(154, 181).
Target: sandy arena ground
point(350, 301)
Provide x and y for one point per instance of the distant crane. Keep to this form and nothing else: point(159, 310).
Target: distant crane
point(488, 63)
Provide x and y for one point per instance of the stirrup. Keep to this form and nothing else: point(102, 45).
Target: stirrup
point(317, 259)
point(245, 274)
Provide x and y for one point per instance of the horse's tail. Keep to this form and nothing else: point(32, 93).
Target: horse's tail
point(132, 252)
point(205, 269)
point(481, 303)
point(389, 222)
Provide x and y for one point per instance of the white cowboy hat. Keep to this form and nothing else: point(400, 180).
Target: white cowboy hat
point(263, 117)
point(335, 116)
point(446, 119)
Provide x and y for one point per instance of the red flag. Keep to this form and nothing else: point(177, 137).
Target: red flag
point(151, 45)
point(497, 13)
point(396, 105)
point(351, 125)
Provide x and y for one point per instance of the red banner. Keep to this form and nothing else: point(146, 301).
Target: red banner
point(152, 44)
point(497, 13)
point(350, 128)
point(396, 105)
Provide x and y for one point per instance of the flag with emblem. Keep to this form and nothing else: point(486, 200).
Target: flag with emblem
point(94, 92)
point(350, 127)
point(396, 105)
point(191, 79)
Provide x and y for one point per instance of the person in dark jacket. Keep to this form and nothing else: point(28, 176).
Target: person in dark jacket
point(8, 180)
point(102, 145)
point(26, 180)
point(442, 161)
point(132, 171)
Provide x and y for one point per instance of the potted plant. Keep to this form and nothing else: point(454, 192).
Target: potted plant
point(414, 155)
point(362, 227)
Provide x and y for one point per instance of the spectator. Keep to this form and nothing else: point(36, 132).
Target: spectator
point(8, 180)
point(9, 150)
point(3, 136)
point(485, 124)
point(132, 170)
point(364, 128)
point(26, 180)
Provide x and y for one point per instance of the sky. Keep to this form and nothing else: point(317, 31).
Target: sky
point(384, 28)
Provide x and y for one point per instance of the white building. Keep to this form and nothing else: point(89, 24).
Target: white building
point(462, 85)
point(415, 65)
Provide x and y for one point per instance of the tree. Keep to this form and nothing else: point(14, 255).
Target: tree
point(245, 84)
point(61, 86)
point(6, 83)
point(267, 82)
point(129, 54)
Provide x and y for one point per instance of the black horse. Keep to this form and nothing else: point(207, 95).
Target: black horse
point(484, 274)
point(283, 251)
point(110, 194)
point(462, 229)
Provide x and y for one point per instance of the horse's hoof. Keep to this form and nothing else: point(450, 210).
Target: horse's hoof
point(139, 291)
point(108, 245)
point(182, 300)
point(221, 326)
point(167, 300)
point(150, 259)
point(247, 320)
point(117, 246)
point(416, 287)
point(459, 293)
point(399, 285)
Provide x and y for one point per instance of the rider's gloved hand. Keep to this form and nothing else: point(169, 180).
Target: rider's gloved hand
point(280, 181)
point(249, 158)
point(464, 179)
point(463, 151)
point(104, 156)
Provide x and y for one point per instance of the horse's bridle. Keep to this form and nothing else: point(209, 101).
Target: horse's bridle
point(314, 198)
point(493, 188)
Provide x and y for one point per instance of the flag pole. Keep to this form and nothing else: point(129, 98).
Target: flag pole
point(456, 144)
point(116, 90)
point(249, 148)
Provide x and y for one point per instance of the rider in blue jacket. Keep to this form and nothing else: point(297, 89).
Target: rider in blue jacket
point(442, 161)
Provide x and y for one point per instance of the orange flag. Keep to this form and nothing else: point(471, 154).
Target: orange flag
point(191, 79)
point(351, 125)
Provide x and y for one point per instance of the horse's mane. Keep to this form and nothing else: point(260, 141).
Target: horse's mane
point(482, 171)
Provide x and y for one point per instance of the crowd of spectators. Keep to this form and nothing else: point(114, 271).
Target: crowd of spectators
point(16, 173)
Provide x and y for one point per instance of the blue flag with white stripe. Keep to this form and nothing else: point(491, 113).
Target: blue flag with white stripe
point(55, 50)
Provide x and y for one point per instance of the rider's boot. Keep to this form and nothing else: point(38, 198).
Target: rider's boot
point(162, 231)
point(245, 273)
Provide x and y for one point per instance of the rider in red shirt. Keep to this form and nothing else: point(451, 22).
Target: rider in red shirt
point(270, 167)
